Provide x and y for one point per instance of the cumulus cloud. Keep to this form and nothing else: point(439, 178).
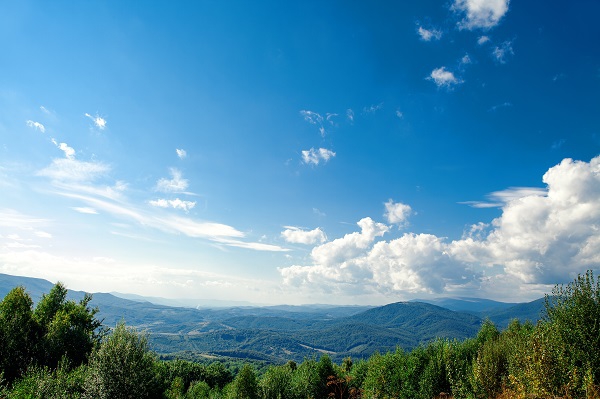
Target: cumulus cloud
point(482, 40)
point(98, 121)
point(174, 185)
point(36, 126)
point(69, 151)
point(314, 157)
point(502, 52)
point(444, 78)
point(175, 204)
point(542, 237)
point(181, 153)
point(429, 34)
point(297, 235)
point(482, 14)
point(397, 212)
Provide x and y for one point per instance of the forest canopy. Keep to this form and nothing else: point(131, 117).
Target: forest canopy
point(59, 349)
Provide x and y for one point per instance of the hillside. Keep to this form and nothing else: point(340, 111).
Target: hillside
point(280, 333)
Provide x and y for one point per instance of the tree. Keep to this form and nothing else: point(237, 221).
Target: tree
point(122, 367)
point(276, 383)
point(574, 313)
point(244, 386)
point(18, 334)
point(68, 329)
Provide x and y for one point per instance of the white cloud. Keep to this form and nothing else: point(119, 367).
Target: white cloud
point(502, 52)
point(542, 237)
point(175, 204)
point(314, 157)
point(482, 40)
point(298, 236)
point(175, 185)
point(429, 34)
point(483, 14)
point(466, 60)
point(498, 199)
point(44, 110)
point(503, 105)
point(181, 153)
point(372, 108)
point(66, 169)
point(443, 78)
point(36, 126)
point(42, 234)
point(329, 117)
point(86, 210)
point(315, 119)
point(69, 151)
point(397, 212)
point(350, 115)
point(99, 122)
point(399, 114)
point(311, 117)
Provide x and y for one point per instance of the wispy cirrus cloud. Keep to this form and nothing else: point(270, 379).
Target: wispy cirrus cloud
point(176, 184)
point(66, 169)
point(176, 203)
point(480, 14)
point(36, 125)
point(98, 121)
point(315, 119)
point(85, 209)
point(503, 51)
point(315, 157)
point(371, 109)
point(497, 107)
point(428, 35)
point(350, 115)
point(444, 78)
point(500, 198)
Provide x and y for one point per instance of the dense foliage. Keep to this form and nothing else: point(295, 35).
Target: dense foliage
point(57, 351)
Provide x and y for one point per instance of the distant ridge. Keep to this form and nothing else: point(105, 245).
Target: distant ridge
point(281, 333)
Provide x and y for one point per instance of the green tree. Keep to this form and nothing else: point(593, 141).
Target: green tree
point(305, 380)
point(69, 329)
point(123, 367)
point(245, 385)
point(276, 383)
point(574, 312)
point(18, 334)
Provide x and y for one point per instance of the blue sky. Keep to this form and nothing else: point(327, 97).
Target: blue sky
point(309, 152)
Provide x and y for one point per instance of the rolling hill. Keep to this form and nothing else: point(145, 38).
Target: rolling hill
point(280, 333)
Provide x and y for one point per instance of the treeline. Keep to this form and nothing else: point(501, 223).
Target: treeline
point(58, 350)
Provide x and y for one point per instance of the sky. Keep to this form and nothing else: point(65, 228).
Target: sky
point(339, 152)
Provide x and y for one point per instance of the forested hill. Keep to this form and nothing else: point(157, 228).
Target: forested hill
point(280, 333)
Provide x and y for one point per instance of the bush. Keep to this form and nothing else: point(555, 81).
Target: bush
point(123, 367)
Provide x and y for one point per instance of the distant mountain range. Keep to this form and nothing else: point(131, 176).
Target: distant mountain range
point(280, 333)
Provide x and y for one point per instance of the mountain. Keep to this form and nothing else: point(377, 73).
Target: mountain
point(470, 305)
point(280, 333)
